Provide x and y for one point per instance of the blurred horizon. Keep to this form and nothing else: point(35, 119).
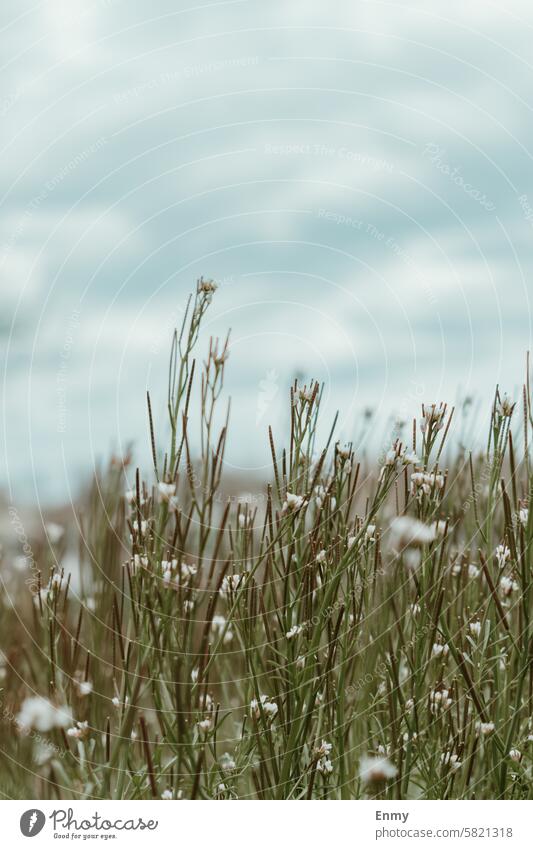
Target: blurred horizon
point(357, 178)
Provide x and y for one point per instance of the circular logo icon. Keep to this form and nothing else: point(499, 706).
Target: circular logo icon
point(32, 822)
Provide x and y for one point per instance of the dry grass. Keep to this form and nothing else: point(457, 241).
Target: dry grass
point(363, 633)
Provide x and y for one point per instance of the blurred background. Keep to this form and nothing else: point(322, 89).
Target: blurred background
point(357, 176)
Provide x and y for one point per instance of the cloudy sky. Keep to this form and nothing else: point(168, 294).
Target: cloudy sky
point(356, 175)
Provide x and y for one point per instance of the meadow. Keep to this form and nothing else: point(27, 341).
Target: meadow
point(361, 629)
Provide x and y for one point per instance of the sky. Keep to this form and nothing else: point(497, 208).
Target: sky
point(357, 176)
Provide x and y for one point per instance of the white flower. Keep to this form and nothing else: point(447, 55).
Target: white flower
point(194, 675)
point(140, 528)
point(54, 532)
point(451, 760)
point(207, 287)
point(188, 570)
point(166, 490)
point(294, 631)
point(410, 703)
point(227, 763)
point(424, 483)
point(231, 584)
point(325, 766)
point(205, 724)
point(407, 737)
point(269, 708)
point(432, 416)
point(485, 728)
point(324, 749)
point(523, 515)
point(415, 609)
point(439, 700)
point(376, 769)
point(115, 701)
point(504, 407)
point(473, 571)
point(351, 541)
point(167, 794)
point(502, 554)
point(409, 531)
point(412, 558)
point(390, 457)
point(515, 755)
point(370, 531)
point(439, 527)
point(140, 561)
point(344, 452)
point(507, 585)
point(475, 628)
point(300, 661)
point(78, 730)
point(321, 556)
point(40, 714)
point(84, 688)
point(293, 502)
point(304, 394)
point(218, 623)
point(410, 457)
point(440, 649)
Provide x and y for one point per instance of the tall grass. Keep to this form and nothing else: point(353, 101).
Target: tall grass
point(366, 633)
